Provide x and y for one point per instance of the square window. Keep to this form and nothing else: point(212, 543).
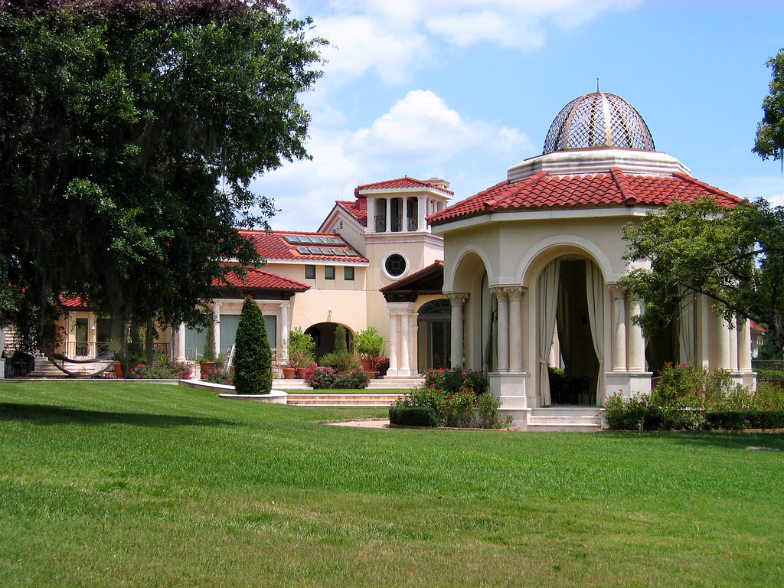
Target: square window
point(310, 272)
point(329, 272)
point(348, 273)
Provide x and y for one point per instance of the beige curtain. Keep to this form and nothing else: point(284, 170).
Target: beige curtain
point(547, 303)
point(594, 290)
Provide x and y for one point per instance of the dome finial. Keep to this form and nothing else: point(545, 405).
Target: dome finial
point(597, 85)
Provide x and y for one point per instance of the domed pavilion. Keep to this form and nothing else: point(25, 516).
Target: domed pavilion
point(531, 268)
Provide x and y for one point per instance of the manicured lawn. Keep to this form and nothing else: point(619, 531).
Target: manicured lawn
point(113, 484)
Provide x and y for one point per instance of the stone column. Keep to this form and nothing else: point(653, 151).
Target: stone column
point(405, 333)
point(216, 327)
point(180, 334)
point(733, 345)
point(503, 328)
point(619, 328)
point(706, 318)
point(371, 214)
point(284, 331)
point(404, 222)
point(421, 213)
point(744, 346)
point(388, 218)
point(456, 300)
point(392, 371)
point(515, 328)
point(636, 359)
point(722, 344)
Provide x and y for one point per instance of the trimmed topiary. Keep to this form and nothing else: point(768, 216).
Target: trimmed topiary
point(252, 354)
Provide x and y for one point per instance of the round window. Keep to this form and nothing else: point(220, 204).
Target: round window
point(395, 265)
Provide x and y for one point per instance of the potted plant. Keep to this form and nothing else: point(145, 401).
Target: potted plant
point(369, 345)
point(301, 350)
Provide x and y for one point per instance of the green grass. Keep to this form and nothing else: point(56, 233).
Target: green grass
point(139, 484)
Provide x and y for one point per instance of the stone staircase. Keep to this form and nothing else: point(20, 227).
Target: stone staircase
point(46, 369)
point(578, 419)
point(403, 384)
point(342, 399)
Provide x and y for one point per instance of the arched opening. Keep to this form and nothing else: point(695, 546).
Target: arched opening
point(478, 329)
point(570, 326)
point(434, 332)
point(324, 336)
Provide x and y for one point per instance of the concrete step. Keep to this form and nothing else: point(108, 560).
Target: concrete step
point(395, 383)
point(343, 399)
point(290, 384)
point(560, 419)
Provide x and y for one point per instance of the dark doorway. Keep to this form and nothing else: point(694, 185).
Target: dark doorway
point(435, 333)
point(324, 336)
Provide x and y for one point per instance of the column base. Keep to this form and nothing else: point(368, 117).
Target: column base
point(511, 389)
point(627, 384)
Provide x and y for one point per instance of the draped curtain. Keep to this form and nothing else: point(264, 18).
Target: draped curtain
point(594, 290)
point(547, 302)
point(563, 328)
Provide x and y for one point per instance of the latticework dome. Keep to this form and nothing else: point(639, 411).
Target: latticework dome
point(598, 120)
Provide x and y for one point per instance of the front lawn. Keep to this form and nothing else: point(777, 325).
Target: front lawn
point(139, 484)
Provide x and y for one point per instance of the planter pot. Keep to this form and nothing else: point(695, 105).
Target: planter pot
point(367, 364)
point(118, 372)
point(302, 372)
point(288, 372)
point(207, 367)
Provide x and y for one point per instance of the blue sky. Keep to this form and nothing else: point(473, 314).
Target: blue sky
point(464, 89)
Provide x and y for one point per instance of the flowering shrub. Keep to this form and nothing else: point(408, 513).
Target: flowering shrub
point(320, 377)
point(456, 398)
point(380, 366)
point(219, 377)
point(161, 370)
point(689, 397)
point(352, 379)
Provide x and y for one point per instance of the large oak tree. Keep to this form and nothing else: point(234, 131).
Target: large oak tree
point(129, 132)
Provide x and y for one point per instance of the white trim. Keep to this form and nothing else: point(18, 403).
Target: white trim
point(272, 261)
point(589, 247)
point(548, 214)
point(420, 189)
point(449, 279)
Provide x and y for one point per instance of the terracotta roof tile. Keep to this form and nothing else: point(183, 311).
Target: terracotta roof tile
point(604, 190)
point(264, 280)
point(355, 209)
point(404, 182)
point(311, 246)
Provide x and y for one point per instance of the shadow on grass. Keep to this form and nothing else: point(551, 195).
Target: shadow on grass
point(53, 415)
point(740, 440)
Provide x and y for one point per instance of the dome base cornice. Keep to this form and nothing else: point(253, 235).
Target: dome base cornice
point(592, 161)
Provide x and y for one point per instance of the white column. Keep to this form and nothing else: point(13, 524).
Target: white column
point(457, 299)
point(733, 340)
point(284, 331)
point(722, 344)
point(706, 318)
point(216, 327)
point(503, 329)
point(371, 214)
point(404, 203)
point(392, 371)
point(636, 359)
point(405, 333)
point(744, 346)
point(414, 363)
point(421, 213)
point(515, 329)
point(619, 329)
point(389, 214)
point(181, 342)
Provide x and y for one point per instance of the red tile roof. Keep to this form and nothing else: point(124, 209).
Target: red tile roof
point(355, 209)
point(603, 190)
point(404, 182)
point(274, 245)
point(262, 280)
point(72, 302)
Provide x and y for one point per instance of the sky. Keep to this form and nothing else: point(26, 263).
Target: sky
point(465, 89)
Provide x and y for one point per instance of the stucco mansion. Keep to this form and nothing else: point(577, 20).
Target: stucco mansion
point(519, 280)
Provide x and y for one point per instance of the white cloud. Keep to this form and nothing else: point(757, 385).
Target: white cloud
point(418, 136)
point(396, 38)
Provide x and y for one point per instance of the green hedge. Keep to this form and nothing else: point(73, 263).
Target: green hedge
point(774, 376)
point(744, 419)
point(412, 416)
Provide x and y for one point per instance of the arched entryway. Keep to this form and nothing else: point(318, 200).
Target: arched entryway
point(571, 317)
point(324, 336)
point(434, 332)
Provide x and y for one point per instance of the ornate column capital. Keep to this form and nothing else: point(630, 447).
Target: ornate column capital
point(456, 298)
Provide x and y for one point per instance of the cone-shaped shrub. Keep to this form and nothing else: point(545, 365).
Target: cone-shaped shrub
point(252, 355)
